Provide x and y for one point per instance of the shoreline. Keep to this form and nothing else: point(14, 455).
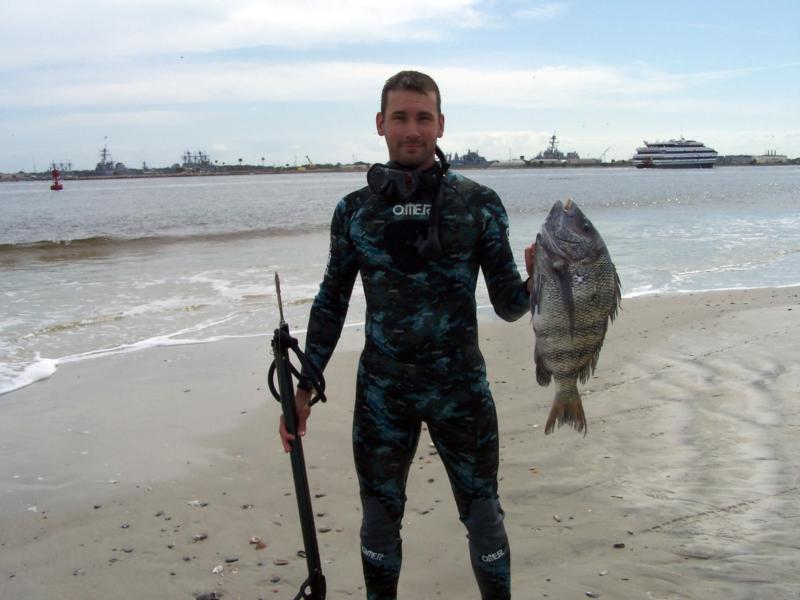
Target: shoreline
point(300, 170)
point(47, 367)
point(689, 462)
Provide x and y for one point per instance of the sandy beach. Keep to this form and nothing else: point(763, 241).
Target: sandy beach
point(146, 475)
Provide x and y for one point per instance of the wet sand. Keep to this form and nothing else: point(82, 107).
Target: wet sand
point(139, 475)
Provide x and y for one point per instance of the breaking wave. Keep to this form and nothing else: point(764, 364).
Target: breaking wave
point(92, 246)
point(44, 368)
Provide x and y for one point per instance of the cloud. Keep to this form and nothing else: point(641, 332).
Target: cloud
point(192, 84)
point(116, 118)
point(548, 86)
point(185, 93)
point(313, 81)
point(98, 32)
point(541, 12)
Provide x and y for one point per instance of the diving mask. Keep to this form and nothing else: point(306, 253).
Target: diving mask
point(402, 184)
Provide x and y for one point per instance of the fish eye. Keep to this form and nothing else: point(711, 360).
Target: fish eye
point(587, 227)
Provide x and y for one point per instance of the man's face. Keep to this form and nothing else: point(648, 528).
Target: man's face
point(411, 126)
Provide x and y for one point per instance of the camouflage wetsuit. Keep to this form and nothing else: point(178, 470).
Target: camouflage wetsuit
point(421, 362)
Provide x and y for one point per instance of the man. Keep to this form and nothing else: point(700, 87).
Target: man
point(418, 235)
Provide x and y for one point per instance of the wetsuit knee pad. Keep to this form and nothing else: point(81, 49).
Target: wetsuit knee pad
point(380, 533)
point(488, 541)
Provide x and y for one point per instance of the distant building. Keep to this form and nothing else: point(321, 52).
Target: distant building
point(730, 160)
point(510, 163)
point(470, 159)
point(771, 157)
point(199, 161)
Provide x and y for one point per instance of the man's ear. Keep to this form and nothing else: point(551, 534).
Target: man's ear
point(379, 123)
point(441, 125)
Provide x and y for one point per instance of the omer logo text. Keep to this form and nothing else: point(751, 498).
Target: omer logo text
point(487, 558)
point(412, 210)
point(371, 554)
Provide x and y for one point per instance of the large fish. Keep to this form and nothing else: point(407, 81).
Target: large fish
point(576, 292)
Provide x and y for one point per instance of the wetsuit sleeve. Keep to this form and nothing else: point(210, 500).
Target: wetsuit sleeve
point(507, 292)
point(329, 310)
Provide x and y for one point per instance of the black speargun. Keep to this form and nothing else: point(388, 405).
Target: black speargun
point(313, 588)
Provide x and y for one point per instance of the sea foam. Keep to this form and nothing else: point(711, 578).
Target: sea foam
point(41, 368)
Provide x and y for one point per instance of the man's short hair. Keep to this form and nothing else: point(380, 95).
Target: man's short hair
point(412, 81)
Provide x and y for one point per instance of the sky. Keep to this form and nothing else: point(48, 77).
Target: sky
point(284, 82)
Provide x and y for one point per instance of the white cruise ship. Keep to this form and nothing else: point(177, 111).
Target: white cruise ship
point(674, 154)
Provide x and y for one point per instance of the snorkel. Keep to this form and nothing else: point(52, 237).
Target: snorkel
point(431, 246)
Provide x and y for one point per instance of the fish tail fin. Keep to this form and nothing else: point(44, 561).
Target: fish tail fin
point(567, 410)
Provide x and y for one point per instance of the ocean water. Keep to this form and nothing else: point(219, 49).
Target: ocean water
point(112, 266)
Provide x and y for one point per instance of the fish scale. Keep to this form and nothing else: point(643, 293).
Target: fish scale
point(576, 294)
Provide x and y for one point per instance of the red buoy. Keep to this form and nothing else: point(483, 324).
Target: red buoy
point(56, 185)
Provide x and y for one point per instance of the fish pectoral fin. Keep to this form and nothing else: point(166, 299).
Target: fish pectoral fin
point(536, 293)
point(567, 410)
